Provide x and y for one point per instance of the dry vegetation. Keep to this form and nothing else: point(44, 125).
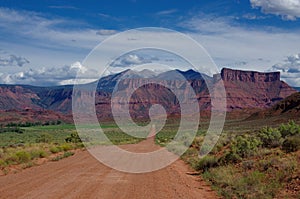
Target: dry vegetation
point(258, 164)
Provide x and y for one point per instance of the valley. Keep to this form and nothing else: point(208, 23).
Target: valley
point(259, 140)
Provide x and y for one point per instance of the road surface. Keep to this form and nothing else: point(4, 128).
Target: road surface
point(82, 176)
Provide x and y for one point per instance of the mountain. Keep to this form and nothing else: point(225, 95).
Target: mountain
point(252, 90)
point(246, 91)
point(288, 108)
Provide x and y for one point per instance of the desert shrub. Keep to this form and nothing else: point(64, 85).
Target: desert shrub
point(68, 154)
point(22, 156)
point(245, 146)
point(65, 155)
point(74, 138)
point(230, 157)
point(291, 144)
point(3, 164)
point(80, 145)
point(11, 129)
point(289, 129)
point(248, 164)
point(230, 182)
point(44, 138)
point(38, 153)
point(270, 137)
point(285, 169)
point(66, 147)
point(222, 179)
point(55, 149)
point(176, 148)
point(206, 163)
point(27, 165)
point(197, 142)
point(209, 145)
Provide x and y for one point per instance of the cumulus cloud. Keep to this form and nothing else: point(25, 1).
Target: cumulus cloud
point(290, 69)
point(12, 60)
point(51, 76)
point(287, 9)
point(131, 60)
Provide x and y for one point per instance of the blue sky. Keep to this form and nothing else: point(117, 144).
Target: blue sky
point(44, 42)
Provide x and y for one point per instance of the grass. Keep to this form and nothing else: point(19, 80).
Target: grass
point(64, 155)
point(252, 165)
point(33, 143)
point(47, 141)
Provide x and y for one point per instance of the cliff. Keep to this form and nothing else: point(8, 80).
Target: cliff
point(245, 90)
point(253, 90)
point(249, 76)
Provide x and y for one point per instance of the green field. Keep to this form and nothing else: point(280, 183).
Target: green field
point(58, 134)
point(23, 146)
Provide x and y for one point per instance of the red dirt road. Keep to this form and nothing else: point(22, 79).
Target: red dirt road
point(82, 176)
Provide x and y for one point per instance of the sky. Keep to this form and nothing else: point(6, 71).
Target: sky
point(45, 42)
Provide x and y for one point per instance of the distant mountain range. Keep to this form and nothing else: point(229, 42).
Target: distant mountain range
point(245, 90)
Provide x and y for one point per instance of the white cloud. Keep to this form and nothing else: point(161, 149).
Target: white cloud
point(50, 76)
point(287, 9)
point(130, 60)
point(48, 32)
point(10, 60)
point(78, 67)
point(229, 43)
point(290, 69)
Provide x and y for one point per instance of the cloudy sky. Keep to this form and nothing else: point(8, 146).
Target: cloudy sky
point(45, 42)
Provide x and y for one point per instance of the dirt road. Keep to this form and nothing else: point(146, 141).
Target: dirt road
point(82, 176)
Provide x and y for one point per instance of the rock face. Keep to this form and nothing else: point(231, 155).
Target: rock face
point(16, 97)
point(249, 76)
point(248, 89)
point(244, 90)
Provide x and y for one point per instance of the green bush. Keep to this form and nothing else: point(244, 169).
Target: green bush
point(270, 137)
point(65, 155)
point(55, 149)
point(206, 163)
point(44, 138)
point(66, 147)
point(68, 154)
point(291, 144)
point(74, 138)
point(230, 182)
point(3, 164)
point(22, 156)
point(245, 146)
point(230, 157)
point(289, 129)
point(38, 153)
